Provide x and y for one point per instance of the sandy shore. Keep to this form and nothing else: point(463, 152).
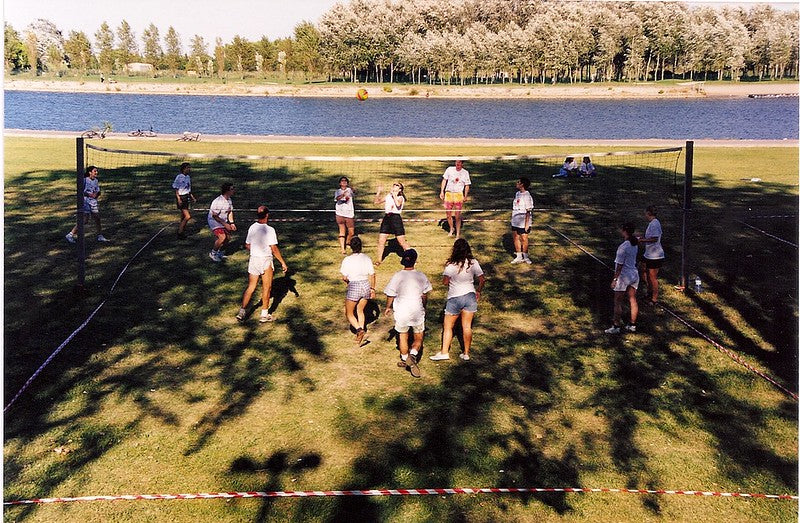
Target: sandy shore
point(537, 91)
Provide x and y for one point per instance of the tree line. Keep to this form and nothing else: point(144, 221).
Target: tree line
point(452, 42)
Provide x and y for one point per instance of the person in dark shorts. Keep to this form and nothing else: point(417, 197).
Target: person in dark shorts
point(183, 196)
point(653, 257)
point(392, 222)
point(521, 218)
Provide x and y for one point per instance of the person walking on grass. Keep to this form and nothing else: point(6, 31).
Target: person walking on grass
point(359, 275)
point(626, 280)
point(454, 192)
point(406, 296)
point(220, 220)
point(91, 192)
point(183, 196)
point(262, 242)
point(459, 275)
point(653, 254)
point(521, 218)
point(345, 212)
point(392, 222)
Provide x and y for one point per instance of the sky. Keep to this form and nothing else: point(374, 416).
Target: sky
point(250, 19)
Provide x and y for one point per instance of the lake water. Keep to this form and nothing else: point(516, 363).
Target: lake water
point(683, 119)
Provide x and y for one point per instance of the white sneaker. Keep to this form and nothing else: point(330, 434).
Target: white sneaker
point(527, 260)
point(265, 317)
point(630, 328)
point(464, 357)
point(70, 237)
point(214, 257)
point(517, 260)
point(241, 314)
point(613, 330)
point(102, 238)
point(439, 357)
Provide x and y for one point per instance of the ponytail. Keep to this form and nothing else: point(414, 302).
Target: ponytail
point(630, 228)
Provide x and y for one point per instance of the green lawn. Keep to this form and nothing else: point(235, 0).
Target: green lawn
point(164, 392)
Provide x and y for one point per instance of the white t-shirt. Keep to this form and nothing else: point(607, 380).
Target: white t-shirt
point(222, 207)
point(183, 183)
point(587, 168)
point(626, 256)
point(261, 237)
point(456, 180)
point(407, 287)
point(90, 186)
point(462, 280)
point(653, 251)
point(523, 202)
point(357, 267)
point(346, 206)
point(389, 206)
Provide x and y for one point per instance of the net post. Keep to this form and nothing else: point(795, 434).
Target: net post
point(80, 285)
point(687, 208)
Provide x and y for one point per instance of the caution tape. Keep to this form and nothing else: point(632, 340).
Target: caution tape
point(396, 492)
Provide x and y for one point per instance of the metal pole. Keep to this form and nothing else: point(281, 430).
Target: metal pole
point(687, 208)
point(81, 246)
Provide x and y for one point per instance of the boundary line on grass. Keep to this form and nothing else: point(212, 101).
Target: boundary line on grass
point(765, 233)
point(735, 357)
point(395, 492)
point(82, 325)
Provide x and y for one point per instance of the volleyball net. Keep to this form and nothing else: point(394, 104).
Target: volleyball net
point(293, 185)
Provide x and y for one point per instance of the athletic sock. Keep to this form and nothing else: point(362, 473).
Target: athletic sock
point(414, 352)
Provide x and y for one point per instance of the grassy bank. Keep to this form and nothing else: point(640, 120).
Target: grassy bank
point(165, 392)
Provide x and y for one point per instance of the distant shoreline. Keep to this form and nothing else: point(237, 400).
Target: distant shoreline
point(536, 91)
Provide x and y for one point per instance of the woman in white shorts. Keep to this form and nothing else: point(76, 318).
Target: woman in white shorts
point(459, 275)
point(345, 213)
point(626, 280)
point(359, 275)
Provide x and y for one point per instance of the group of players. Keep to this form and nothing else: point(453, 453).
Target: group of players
point(407, 290)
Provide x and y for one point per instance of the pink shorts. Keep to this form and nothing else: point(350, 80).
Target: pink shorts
point(221, 231)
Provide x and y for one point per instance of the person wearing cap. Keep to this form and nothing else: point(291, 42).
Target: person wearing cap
point(454, 192)
point(262, 242)
point(406, 296)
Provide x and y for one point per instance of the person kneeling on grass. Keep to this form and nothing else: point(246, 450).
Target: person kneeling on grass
point(626, 280)
point(359, 275)
point(262, 242)
point(407, 295)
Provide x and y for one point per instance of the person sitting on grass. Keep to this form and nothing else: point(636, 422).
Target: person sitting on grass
point(587, 169)
point(570, 168)
point(359, 275)
point(406, 296)
point(262, 242)
point(91, 191)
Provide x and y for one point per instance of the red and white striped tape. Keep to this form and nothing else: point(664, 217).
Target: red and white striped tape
point(395, 492)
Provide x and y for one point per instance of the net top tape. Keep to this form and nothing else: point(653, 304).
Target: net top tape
point(379, 158)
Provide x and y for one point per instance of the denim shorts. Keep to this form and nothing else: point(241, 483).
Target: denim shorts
point(456, 304)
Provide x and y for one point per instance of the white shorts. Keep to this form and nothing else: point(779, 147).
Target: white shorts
point(416, 322)
point(259, 264)
point(90, 205)
point(627, 279)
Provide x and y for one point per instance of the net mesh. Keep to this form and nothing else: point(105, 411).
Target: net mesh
point(136, 180)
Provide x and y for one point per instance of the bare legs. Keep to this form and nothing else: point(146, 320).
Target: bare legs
point(466, 329)
point(520, 242)
point(652, 283)
point(454, 221)
point(619, 297)
point(345, 235)
point(402, 338)
point(382, 237)
point(355, 312)
point(266, 288)
point(185, 217)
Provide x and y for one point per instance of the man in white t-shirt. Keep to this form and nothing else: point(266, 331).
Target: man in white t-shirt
point(220, 220)
point(407, 295)
point(454, 192)
point(262, 242)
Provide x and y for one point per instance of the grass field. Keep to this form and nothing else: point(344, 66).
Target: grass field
point(164, 392)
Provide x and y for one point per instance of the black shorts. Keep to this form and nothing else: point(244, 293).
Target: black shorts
point(392, 224)
point(520, 230)
point(185, 201)
point(653, 264)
